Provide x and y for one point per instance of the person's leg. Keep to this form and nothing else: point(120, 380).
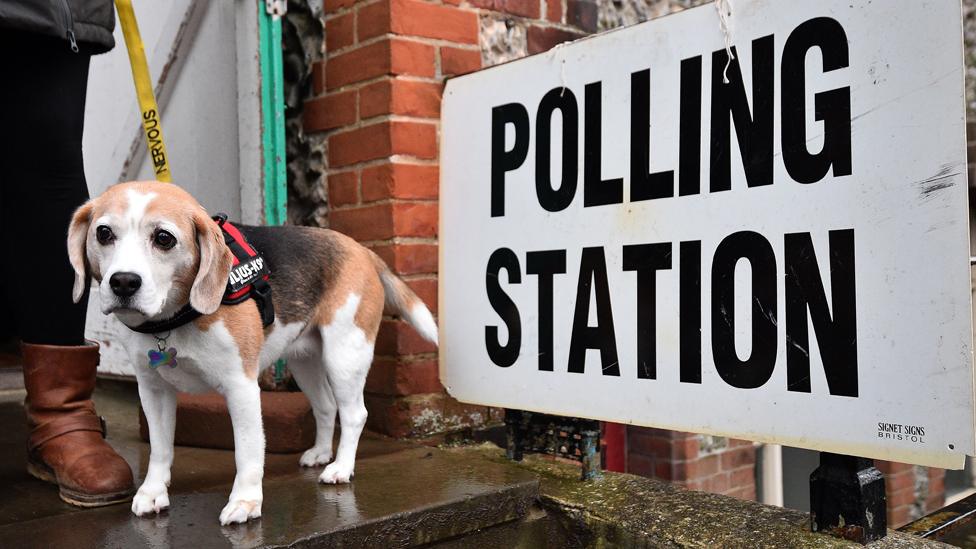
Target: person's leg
point(42, 182)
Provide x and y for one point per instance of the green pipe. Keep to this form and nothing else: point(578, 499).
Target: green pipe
point(273, 129)
point(273, 118)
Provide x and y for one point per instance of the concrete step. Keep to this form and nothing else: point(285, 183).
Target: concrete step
point(535, 530)
point(11, 378)
point(403, 495)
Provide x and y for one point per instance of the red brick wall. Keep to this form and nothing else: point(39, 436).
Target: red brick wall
point(376, 101)
point(728, 466)
point(913, 491)
point(697, 462)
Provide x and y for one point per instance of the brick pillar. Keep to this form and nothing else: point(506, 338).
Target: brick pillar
point(913, 491)
point(377, 100)
point(697, 462)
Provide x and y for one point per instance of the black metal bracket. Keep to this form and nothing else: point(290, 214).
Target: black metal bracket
point(847, 498)
point(566, 437)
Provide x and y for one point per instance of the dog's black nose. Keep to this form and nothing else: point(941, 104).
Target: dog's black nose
point(125, 284)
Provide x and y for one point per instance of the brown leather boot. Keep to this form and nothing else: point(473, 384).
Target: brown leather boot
point(66, 445)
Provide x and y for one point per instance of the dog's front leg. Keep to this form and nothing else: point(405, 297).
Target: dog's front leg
point(244, 403)
point(159, 404)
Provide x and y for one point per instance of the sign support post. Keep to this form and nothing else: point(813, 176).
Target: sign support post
point(847, 498)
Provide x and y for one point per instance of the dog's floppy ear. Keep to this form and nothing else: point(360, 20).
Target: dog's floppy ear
point(215, 263)
point(77, 243)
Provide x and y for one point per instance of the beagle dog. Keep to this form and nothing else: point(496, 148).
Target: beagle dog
point(152, 249)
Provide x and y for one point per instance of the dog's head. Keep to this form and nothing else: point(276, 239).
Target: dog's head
point(151, 248)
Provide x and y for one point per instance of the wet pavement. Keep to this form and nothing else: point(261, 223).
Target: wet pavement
point(403, 494)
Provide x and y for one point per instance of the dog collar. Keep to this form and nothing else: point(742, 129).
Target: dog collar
point(184, 316)
point(248, 279)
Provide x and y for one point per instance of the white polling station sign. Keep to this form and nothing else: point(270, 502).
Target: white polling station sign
point(781, 258)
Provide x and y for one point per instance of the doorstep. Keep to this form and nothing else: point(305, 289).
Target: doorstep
point(11, 375)
point(403, 494)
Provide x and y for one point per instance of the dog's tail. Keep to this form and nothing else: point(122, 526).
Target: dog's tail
point(401, 299)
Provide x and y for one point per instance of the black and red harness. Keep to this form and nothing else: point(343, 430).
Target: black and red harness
point(248, 279)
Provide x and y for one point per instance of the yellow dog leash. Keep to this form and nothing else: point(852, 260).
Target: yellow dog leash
point(151, 124)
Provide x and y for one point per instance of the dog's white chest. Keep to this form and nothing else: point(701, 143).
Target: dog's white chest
point(184, 377)
point(199, 361)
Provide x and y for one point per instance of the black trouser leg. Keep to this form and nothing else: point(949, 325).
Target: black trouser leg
point(42, 182)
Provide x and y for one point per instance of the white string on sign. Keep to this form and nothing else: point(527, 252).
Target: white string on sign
point(724, 8)
point(562, 77)
point(562, 68)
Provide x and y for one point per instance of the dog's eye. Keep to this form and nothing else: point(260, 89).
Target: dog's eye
point(104, 235)
point(164, 239)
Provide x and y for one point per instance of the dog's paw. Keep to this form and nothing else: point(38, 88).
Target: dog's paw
point(149, 501)
point(315, 456)
point(240, 510)
point(336, 473)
